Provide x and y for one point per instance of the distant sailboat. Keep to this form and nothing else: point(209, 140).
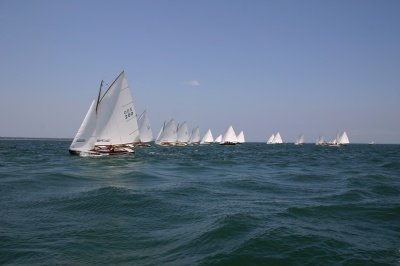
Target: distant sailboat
point(146, 134)
point(240, 138)
point(218, 139)
point(110, 125)
point(195, 137)
point(229, 137)
point(182, 134)
point(168, 135)
point(320, 141)
point(300, 140)
point(207, 138)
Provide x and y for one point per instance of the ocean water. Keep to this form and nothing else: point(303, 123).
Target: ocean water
point(250, 204)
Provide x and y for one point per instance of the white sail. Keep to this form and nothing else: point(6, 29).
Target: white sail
point(116, 115)
point(344, 139)
point(195, 137)
point(157, 141)
point(146, 134)
point(207, 138)
point(240, 137)
point(277, 139)
point(85, 138)
point(299, 140)
point(271, 139)
point(229, 136)
point(168, 135)
point(183, 133)
point(218, 139)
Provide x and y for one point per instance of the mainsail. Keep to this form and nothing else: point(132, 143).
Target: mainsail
point(183, 133)
point(299, 140)
point(146, 134)
point(277, 139)
point(116, 115)
point(271, 139)
point(344, 139)
point(207, 138)
point(195, 137)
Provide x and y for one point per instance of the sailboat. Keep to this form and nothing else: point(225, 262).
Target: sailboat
point(168, 134)
point(182, 134)
point(320, 141)
point(195, 137)
point(110, 126)
point(218, 139)
point(299, 140)
point(229, 138)
point(240, 138)
point(145, 132)
point(207, 138)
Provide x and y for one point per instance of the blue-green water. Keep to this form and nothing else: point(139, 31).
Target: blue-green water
point(253, 204)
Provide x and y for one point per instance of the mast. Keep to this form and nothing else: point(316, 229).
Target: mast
point(98, 97)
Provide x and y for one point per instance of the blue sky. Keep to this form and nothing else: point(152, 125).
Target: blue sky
point(311, 67)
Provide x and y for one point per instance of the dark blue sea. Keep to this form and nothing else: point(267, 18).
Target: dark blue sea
point(250, 204)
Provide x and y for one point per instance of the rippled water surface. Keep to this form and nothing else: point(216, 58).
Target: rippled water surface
point(250, 204)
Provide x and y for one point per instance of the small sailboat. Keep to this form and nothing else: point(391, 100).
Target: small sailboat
point(207, 138)
point(145, 132)
point(299, 140)
point(218, 139)
point(182, 134)
point(229, 137)
point(240, 138)
point(320, 141)
point(168, 135)
point(195, 137)
point(110, 126)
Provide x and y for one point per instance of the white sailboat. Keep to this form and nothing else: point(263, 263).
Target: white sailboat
point(195, 136)
point(182, 134)
point(218, 139)
point(271, 138)
point(110, 126)
point(229, 138)
point(146, 134)
point(207, 138)
point(300, 140)
point(168, 135)
point(240, 138)
point(320, 141)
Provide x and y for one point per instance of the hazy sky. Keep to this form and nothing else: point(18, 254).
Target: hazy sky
point(311, 67)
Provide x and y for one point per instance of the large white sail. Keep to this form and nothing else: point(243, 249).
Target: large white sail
point(229, 137)
point(116, 115)
point(277, 139)
point(85, 137)
point(168, 135)
point(299, 140)
point(344, 139)
point(271, 139)
point(207, 138)
point(146, 134)
point(183, 133)
point(240, 137)
point(218, 139)
point(195, 137)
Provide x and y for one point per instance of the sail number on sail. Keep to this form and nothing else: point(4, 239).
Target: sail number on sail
point(128, 113)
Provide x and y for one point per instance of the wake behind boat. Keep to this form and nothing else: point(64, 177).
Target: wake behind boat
point(110, 126)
